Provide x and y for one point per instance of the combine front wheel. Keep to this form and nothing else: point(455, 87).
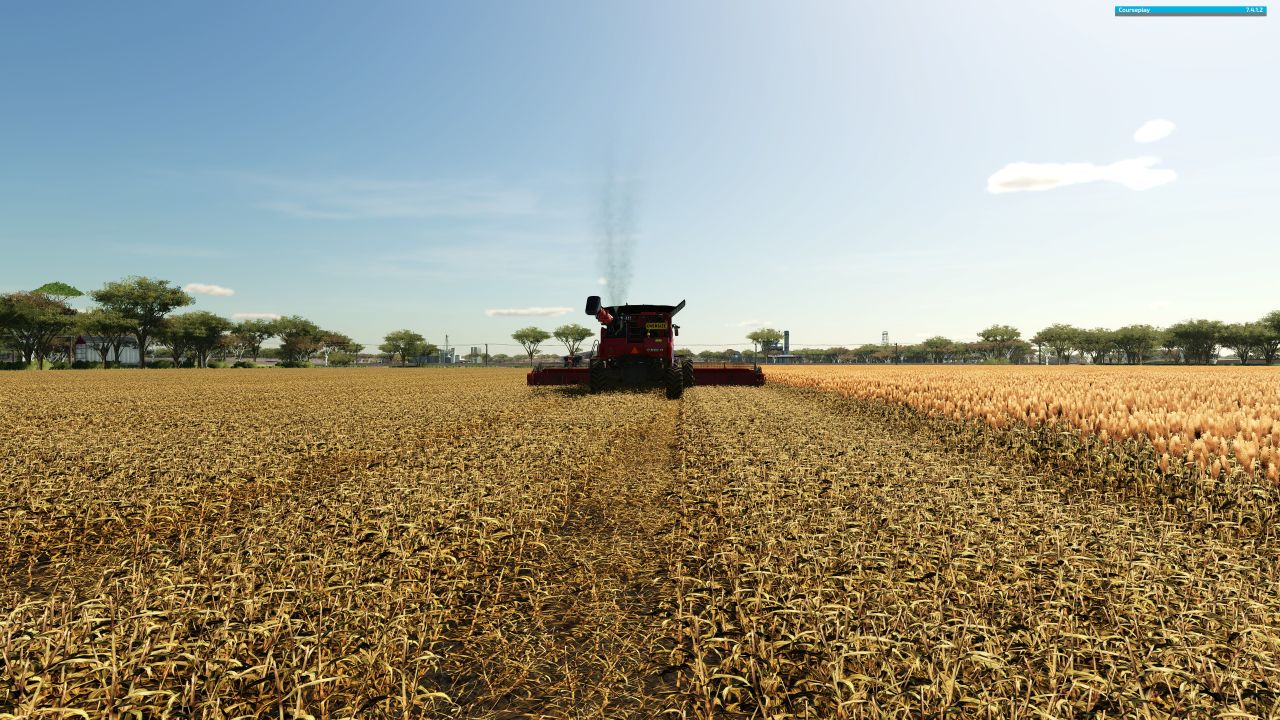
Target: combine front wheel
point(686, 370)
point(675, 383)
point(595, 378)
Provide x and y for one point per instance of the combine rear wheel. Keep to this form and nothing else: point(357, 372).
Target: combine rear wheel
point(686, 371)
point(675, 383)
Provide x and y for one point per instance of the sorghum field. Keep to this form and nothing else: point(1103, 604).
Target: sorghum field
point(846, 542)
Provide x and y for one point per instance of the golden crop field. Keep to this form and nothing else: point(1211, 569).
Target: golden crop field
point(1214, 420)
point(453, 544)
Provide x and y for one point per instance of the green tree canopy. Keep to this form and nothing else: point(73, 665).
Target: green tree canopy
point(32, 322)
point(572, 335)
point(530, 338)
point(405, 343)
point(336, 342)
point(1272, 320)
point(143, 301)
point(249, 335)
point(1136, 342)
point(1061, 338)
point(938, 348)
point(1000, 340)
point(1197, 339)
point(62, 292)
point(197, 332)
point(1097, 343)
point(765, 339)
point(1246, 340)
point(1271, 339)
point(59, 291)
point(300, 339)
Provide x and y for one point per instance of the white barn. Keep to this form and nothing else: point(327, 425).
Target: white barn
point(87, 351)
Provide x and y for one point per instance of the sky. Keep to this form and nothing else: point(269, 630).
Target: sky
point(836, 169)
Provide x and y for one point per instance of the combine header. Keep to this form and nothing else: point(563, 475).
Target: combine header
point(636, 349)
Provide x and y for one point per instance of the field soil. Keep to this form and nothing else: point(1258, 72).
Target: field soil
point(453, 544)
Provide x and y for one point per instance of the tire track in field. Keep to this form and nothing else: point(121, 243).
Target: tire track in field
point(841, 561)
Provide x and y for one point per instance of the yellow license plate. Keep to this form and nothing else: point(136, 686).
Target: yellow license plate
point(655, 326)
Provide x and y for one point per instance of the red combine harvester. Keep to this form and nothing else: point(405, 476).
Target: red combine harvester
point(637, 348)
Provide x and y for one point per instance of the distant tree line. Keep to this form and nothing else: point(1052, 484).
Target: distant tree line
point(41, 326)
point(572, 336)
point(1189, 342)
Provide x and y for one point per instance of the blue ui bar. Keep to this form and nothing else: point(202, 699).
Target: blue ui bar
point(1191, 10)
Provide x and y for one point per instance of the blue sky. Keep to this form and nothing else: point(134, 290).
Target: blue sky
point(821, 167)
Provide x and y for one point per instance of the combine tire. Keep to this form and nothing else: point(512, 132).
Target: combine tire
point(595, 379)
point(686, 371)
point(675, 383)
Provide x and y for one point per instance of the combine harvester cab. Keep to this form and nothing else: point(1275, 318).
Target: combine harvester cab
point(637, 349)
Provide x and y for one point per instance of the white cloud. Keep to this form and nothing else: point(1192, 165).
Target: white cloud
point(1153, 130)
point(256, 316)
point(602, 280)
point(529, 312)
point(1135, 174)
point(206, 289)
point(751, 323)
point(370, 199)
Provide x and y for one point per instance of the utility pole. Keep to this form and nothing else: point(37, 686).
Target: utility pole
point(486, 353)
point(446, 349)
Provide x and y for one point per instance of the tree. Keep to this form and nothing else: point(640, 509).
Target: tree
point(1001, 339)
point(335, 342)
point(938, 348)
point(1096, 343)
point(62, 292)
point(405, 343)
point(341, 359)
point(1198, 339)
point(173, 339)
point(250, 334)
point(32, 322)
point(207, 332)
point(300, 339)
point(1136, 342)
point(530, 338)
point(1060, 338)
point(765, 339)
point(1017, 351)
point(143, 301)
point(105, 331)
point(1169, 344)
point(864, 353)
point(229, 345)
point(1246, 339)
point(1270, 345)
point(198, 332)
point(1271, 338)
point(572, 336)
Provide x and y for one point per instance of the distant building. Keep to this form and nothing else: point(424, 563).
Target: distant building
point(87, 351)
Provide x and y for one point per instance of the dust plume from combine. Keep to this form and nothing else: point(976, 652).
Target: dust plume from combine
point(616, 234)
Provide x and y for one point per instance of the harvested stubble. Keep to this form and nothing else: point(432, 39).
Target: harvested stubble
point(333, 544)
point(374, 543)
